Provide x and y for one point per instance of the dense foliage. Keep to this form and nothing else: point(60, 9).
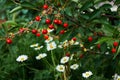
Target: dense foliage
point(59, 39)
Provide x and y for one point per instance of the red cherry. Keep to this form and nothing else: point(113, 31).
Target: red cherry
point(98, 46)
point(51, 26)
point(46, 36)
point(81, 56)
point(47, 21)
point(67, 54)
point(74, 39)
point(21, 30)
point(38, 34)
point(90, 39)
point(34, 31)
point(62, 31)
point(44, 31)
point(65, 25)
point(45, 6)
point(113, 50)
point(56, 21)
point(59, 22)
point(115, 44)
point(8, 41)
point(37, 18)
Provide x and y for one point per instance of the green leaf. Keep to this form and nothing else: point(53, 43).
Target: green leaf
point(106, 6)
point(95, 14)
point(85, 16)
point(2, 44)
point(117, 2)
point(102, 21)
point(66, 36)
point(103, 39)
point(16, 9)
point(108, 29)
point(68, 11)
point(10, 23)
point(75, 1)
point(28, 5)
point(86, 5)
point(118, 51)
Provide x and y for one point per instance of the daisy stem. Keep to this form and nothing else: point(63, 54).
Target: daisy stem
point(52, 56)
point(65, 78)
point(48, 63)
point(23, 72)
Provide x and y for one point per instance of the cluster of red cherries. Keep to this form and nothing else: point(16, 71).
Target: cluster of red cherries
point(113, 50)
point(51, 26)
point(44, 31)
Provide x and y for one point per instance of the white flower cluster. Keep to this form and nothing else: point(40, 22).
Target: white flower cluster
point(61, 68)
point(66, 43)
point(36, 46)
point(40, 56)
point(23, 58)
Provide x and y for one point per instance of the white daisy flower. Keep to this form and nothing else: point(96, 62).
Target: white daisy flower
point(71, 42)
point(115, 76)
point(64, 60)
point(87, 74)
point(74, 66)
point(114, 8)
point(50, 30)
point(76, 43)
point(60, 46)
point(49, 39)
point(51, 46)
point(118, 78)
point(60, 68)
point(22, 58)
point(34, 45)
point(40, 56)
point(38, 48)
point(65, 43)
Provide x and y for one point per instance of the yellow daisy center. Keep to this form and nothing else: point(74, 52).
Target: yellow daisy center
point(61, 68)
point(118, 79)
point(87, 74)
point(22, 59)
point(51, 46)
